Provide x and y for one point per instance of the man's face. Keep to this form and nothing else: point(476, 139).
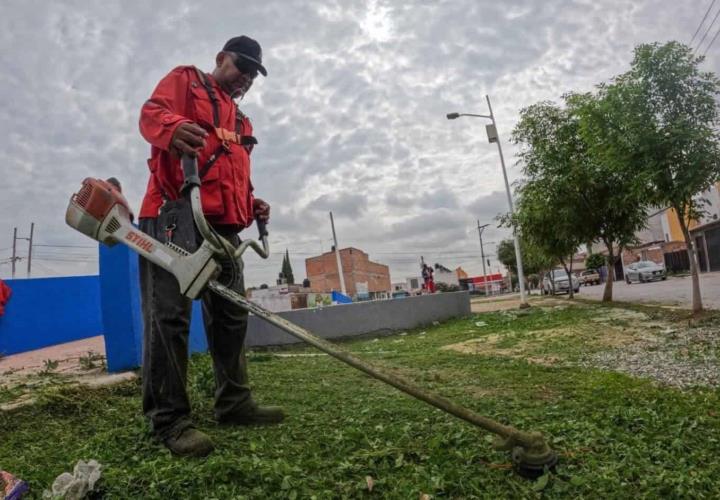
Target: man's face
point(233, 75)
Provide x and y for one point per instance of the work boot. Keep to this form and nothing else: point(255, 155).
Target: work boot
point(189, 442)
point(256, 415)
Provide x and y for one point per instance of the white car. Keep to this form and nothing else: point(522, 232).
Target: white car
point(562, 283)
point(644, 270)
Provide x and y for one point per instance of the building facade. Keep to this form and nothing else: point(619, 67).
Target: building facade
point(362, 276)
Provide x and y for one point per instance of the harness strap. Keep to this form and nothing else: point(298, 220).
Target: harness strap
point(212, 95)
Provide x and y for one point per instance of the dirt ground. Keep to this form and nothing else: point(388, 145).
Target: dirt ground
point(504, 303)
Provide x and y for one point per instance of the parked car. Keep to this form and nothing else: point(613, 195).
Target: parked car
point(400, 294)
point(590, 277)
point(562, 283)
point(645, 270)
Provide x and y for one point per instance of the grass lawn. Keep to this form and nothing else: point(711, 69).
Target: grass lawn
point(348, 436)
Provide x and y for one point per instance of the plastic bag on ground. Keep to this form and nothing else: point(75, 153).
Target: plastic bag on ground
point(77, 485)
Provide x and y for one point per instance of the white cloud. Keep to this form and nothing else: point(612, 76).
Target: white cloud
point(351, 117)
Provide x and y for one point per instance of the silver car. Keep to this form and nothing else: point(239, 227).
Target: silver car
point(644, 270)
point(562, 283)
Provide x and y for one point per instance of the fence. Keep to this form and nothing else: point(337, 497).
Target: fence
point(677, 261)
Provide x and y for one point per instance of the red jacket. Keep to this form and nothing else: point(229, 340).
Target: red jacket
point(226, 188)
point(5, 294)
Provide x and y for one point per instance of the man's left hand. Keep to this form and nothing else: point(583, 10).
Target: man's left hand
point(261, 210)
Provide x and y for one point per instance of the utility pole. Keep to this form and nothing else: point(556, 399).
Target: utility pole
point(30, 241)
point(14, 256)
point(482, 255)
point(337, 256)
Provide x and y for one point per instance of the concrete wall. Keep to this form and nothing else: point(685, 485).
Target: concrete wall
point(48, 311)
point(363, 317)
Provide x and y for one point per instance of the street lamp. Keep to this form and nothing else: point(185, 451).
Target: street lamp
point(492, 134)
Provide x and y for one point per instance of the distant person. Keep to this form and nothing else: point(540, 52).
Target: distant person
point(427, 274)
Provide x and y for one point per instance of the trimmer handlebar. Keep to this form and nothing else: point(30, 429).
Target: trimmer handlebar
point(190, 187)
point(191, 178)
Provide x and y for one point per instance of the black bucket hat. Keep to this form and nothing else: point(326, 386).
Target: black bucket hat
point(248, 49)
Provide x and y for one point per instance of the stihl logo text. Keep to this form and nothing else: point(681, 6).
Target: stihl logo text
point(143, 243)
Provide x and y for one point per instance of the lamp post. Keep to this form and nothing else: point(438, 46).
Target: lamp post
point(493, 136)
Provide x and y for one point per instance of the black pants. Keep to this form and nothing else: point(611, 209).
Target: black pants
point(166, 316)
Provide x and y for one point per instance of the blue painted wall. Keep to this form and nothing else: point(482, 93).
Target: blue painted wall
point(48, 311)
point(122, 313)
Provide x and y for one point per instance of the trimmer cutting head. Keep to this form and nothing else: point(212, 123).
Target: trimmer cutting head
point(532, 465)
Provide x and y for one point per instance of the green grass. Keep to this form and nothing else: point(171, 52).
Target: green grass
point(617, 436)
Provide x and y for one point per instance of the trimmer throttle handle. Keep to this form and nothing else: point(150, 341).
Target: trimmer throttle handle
point(262, 229)
point(190, 173)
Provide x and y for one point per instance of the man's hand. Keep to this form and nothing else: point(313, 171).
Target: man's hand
point(188, 138)
point(261, 210)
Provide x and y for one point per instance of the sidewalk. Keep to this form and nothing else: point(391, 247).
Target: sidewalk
point(79, 362)
point(67, 355)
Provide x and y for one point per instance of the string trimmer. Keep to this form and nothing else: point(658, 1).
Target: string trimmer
point(100, 211)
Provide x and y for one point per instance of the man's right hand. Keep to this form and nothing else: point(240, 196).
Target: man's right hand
point(188, 138)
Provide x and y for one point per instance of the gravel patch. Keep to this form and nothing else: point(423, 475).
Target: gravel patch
point(682, 357)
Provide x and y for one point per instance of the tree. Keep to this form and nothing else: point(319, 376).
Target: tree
point(548, 223)
point(534, 260)
point(594, 261)
point(664, 122)
point(506, 255)
point(287, 271)
point(570, 196)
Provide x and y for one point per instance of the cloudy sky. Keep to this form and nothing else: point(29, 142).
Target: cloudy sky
point(351, 117)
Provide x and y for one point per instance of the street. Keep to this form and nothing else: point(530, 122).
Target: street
point(673, 291)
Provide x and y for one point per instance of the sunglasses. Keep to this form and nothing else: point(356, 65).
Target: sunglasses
point(245, 67)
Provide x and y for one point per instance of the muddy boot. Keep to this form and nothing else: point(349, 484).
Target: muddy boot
point(256, 415)
point(189, 442)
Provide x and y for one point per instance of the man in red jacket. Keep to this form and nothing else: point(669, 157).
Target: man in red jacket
point(191, 112)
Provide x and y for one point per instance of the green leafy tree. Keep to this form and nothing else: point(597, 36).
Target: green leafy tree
point(535, 261)
point(287, 271)
point(594, 261)
point(663, 120)
point(549, 226)
point(571, 196)
point(506, 255)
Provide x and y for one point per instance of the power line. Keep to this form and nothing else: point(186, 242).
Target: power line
point(701, 22)
point(708, 29)
point(711, 42)
point(65, 246)
point(69, 259)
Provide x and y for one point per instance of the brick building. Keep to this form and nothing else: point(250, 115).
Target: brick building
point(358, 272)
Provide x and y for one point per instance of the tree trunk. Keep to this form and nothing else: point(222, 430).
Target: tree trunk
point(571, 295)
point(607, 294)
point(694, 271)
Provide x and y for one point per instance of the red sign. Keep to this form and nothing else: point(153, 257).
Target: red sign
point(481, 279)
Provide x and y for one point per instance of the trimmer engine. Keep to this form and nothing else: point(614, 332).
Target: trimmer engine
point(100, 211)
